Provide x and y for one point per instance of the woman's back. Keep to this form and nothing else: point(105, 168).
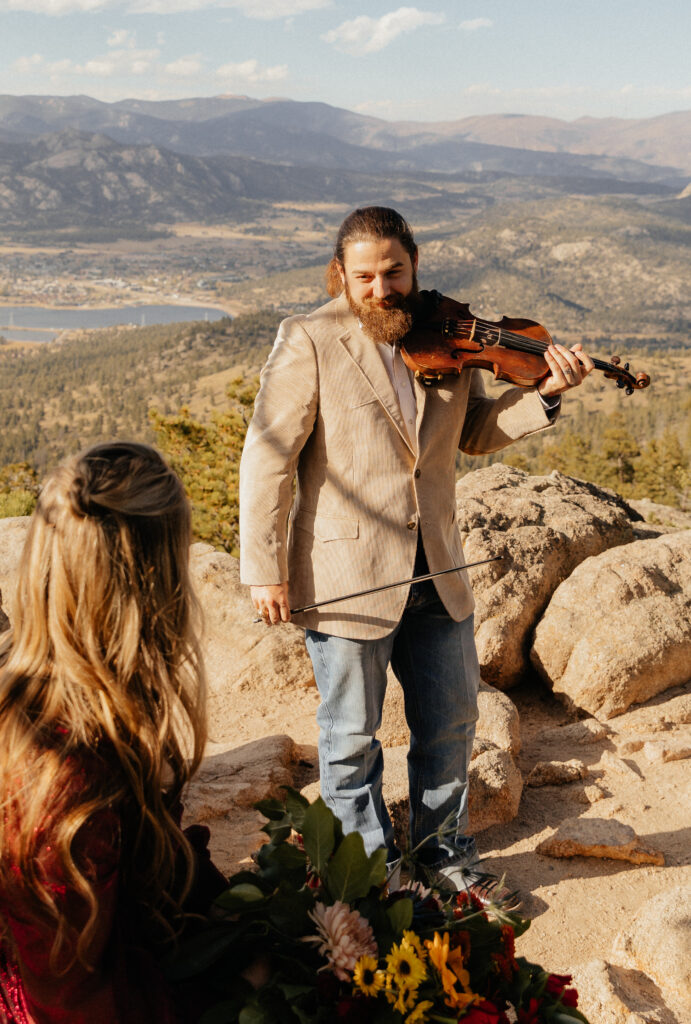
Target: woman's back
point(101, 726)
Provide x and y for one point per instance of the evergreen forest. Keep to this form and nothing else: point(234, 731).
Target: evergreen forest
point(139, 382)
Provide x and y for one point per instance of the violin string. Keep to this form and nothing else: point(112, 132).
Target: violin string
point(523, 344)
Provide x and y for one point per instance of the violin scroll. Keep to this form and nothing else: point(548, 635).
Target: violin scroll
point(615, 371)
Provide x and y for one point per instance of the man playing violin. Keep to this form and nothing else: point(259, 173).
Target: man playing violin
point(372, 453)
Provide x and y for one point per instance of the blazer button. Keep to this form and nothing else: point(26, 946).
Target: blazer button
point(412, 524)
point(417, 473)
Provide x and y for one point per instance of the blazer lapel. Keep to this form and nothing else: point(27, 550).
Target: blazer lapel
point(363, 351)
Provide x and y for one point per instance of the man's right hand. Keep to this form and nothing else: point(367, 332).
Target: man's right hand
point(272, 603)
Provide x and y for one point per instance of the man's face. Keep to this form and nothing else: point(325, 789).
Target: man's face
point(380, 283)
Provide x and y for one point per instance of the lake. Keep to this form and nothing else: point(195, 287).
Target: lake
point(35, 323)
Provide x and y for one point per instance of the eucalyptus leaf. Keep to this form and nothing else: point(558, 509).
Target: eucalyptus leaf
point(241, 897)
point(400, 914)
point(282, 862)
point(318, 834)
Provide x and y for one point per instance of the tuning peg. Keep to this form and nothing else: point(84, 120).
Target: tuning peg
point(629, 390)
point(621, 383)
point(615, 360)
point(626, 366)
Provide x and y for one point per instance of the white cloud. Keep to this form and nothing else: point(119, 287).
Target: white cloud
point(369, 35)
point(250, 72)
point(185, 67)
point(26, 65)
point(56, 7)
point(473, 24)
point(263, 9)
point(121, 62)
point(120, 37)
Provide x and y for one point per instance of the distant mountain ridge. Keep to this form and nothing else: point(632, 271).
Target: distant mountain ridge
point(74, 160)
point(72, 178)
point(288, 131)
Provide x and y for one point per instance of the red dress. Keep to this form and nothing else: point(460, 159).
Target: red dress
point(127, 986)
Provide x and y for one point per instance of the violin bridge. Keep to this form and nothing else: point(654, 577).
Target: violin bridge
point(472, 330)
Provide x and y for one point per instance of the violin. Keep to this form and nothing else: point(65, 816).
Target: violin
point(450, 339)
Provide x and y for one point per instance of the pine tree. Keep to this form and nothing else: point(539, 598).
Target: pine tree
point(19, 488)
point(615, 454)
point(207, 458)
point(662, 471)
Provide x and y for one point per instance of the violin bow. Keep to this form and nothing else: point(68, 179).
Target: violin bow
point(389, 586)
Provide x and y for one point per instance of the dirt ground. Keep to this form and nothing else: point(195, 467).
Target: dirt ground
point(576, 906)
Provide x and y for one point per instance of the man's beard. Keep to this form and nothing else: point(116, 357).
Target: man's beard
point(386, 320)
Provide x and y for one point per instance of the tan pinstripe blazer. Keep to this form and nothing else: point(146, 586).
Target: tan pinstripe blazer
point(327, 416)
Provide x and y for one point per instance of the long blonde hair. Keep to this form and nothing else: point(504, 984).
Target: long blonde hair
point(102, 662)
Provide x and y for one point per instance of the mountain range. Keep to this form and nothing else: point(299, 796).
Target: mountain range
point(67, 158)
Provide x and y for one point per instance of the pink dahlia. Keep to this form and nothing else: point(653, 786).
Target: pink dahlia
point(343, 937)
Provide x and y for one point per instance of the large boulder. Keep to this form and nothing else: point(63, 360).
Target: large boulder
point(657, 941)
point(609, 994)
point(243, 659)
point(12, 536)
point(495, 785)
point(246, 663)
point(229, 782)
point(618, 631)
point(542, 527)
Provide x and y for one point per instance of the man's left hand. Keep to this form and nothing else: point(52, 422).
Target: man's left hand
point(568, 369)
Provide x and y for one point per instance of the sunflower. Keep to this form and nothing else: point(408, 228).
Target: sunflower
point(411, 940)
point(419, 1014)
point(404, 966)
point(449, 963)
point(366, 978)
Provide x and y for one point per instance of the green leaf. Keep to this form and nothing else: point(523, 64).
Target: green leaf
point(250, 877)
point(377, 862)
point(349, 874)
point(255, 1014)
point(199, 952)
point(284, 862)
point(400, 914)
point(278, 831)
point(318, 834)
point(272, 809)
point(241, 897)
point(288, 910)
point(294, 991)
point(296, 806)
point(227, 1011)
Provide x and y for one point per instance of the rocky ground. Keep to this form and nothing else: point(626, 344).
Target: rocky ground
point(580, 783)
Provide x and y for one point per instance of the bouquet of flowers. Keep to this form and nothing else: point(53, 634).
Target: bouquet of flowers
point(315, 936)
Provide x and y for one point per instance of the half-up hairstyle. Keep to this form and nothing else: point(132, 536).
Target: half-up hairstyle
point(102, 669)
point(364, 223)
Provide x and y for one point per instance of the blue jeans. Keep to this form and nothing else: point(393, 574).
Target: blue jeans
point(435, 660)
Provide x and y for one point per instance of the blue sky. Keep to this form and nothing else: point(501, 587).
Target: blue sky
point(427, 60)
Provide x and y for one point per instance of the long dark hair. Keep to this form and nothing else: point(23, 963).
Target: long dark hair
point(363, 223)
